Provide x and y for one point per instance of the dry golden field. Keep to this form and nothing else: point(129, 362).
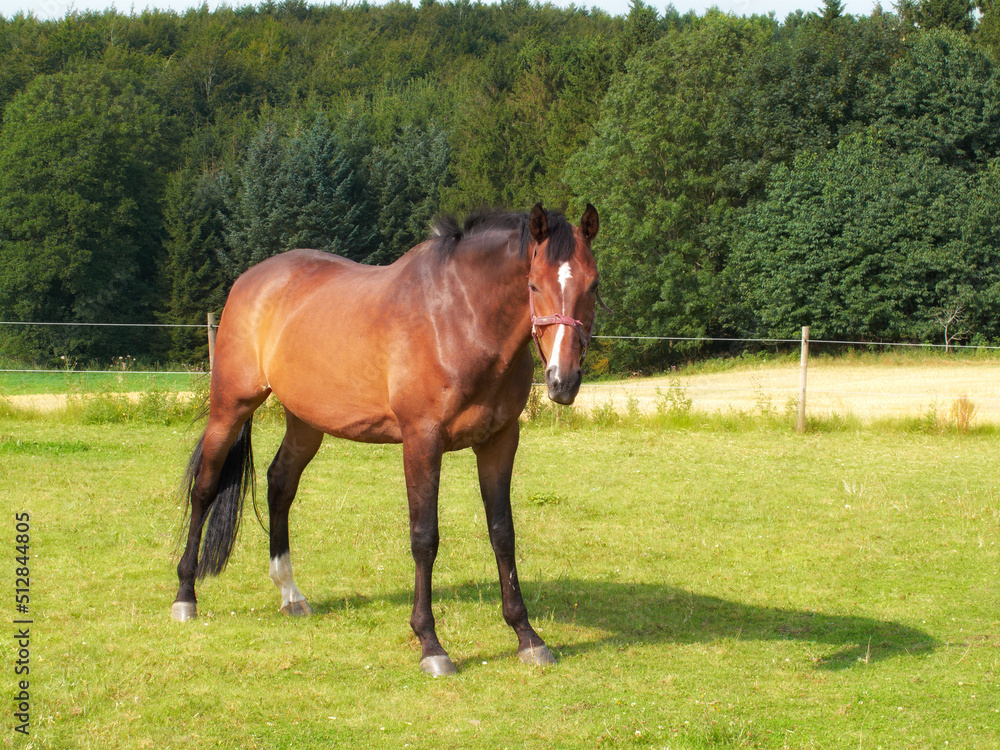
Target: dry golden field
point(867, 391)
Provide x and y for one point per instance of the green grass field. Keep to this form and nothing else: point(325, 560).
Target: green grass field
point(74, 382)
point(724, 584)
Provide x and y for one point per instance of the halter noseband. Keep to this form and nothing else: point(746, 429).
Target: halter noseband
point(552, 320)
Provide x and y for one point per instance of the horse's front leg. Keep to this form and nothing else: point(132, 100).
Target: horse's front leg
point(495, 459)
point(422, 467)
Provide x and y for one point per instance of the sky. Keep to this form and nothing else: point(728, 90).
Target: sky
point(49, 9)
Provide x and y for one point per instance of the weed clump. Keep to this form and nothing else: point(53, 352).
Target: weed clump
point(675, 402)
point(962, 411)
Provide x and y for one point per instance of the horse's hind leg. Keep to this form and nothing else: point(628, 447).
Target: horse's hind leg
point(495, 460)
point(297, 449)
point(217, 450)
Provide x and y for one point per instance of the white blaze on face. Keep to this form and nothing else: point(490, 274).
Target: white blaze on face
point(281, 574)
point(565, 274)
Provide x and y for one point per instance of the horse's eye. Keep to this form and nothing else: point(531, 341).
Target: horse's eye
point(594, 286)
point(532, 287)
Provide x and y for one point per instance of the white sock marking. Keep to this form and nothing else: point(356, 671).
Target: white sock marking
point(281, 574)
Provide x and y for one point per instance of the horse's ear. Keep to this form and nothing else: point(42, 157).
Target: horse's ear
point(589, 224)
point(539, 224)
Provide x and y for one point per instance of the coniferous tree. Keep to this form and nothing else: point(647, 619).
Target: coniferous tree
point(195, 247)
point(256, 219)
point(455, 105)
point(325, 190)
point(408, 177)
point(832, 10)
point(308, 190)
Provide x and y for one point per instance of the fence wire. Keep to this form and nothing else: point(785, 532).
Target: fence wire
point(103, 325)
point(711, 339)
point(799, 341)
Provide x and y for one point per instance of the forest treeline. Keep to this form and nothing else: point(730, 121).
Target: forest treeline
point(753, 174)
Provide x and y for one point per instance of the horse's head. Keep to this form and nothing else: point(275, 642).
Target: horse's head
point(563, 290)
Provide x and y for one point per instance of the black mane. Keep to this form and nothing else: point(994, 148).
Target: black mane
point(448, 235)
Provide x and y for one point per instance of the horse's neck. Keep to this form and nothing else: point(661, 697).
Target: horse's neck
point(494, 293)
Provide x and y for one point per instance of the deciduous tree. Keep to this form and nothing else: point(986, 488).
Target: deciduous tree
point(80, 224)
point(864, 242)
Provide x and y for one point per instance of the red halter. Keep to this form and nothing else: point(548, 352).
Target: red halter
point(551, 320)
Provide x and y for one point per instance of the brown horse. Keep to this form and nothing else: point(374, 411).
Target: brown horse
point(432, 352)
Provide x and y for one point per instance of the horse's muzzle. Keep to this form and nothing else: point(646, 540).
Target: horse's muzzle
point(563, 390)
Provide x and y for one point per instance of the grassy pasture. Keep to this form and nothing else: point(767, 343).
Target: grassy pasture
point(84, 382)
point(704, 583)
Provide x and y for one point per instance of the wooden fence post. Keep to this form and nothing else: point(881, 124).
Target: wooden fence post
point(211, 341)
point(800, 423)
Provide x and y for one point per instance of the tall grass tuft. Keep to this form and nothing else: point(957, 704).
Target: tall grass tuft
point(962, 411)
point(605, 415)
point(675, 402)
point(536, 405)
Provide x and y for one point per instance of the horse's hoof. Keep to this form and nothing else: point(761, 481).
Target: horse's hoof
point(537, 656)
point(183, 611)
point(437, 666)
point(300, 608)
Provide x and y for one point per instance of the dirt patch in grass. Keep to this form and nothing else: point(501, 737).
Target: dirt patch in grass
point(41, 402)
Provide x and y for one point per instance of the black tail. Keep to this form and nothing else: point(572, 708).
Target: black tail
point(222, 524)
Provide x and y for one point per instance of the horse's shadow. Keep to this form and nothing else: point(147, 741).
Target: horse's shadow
point(638, 613)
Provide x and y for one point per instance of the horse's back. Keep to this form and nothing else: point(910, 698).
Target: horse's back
point(296, 269)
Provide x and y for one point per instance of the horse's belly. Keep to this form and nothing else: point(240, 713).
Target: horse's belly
point(339, 400)
point(341, 416)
